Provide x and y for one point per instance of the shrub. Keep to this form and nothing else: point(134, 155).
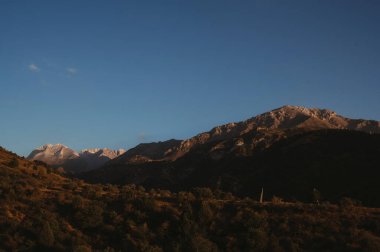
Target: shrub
point(13, 163)
point(203, 193)
point(348, 202)
point(46, 235)
point(42, 172)
point(277, 200)
point(89, 217)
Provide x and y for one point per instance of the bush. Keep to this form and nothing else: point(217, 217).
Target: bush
point(348, 202)
point(46, 235)
point(89, 217)
point(13, 163)
point(202, 244)
point(203, 193)
point(277, 200)
point(42, 172)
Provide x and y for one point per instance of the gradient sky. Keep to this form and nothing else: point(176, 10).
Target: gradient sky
point(117, 73)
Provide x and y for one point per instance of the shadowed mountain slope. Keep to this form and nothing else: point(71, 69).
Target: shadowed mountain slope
point(338, 163)
point(257, 132)
point(243, 157)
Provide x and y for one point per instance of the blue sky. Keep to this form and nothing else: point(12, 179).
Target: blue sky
point(117, 73)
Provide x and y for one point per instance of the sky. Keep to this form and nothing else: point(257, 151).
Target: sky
point(117, 73)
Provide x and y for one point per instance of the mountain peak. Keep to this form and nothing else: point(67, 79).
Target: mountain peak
point(53, 154)
point(51, 146)
point(102, 152)
point(61, 155)
point(92, 151)
point(285, 107)
point(301, 109)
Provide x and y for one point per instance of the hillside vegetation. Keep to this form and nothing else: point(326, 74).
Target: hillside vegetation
point(41, 210)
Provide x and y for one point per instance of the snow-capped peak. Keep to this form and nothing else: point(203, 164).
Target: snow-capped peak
point(61, 155)
point(105, 152)
point(53, 154)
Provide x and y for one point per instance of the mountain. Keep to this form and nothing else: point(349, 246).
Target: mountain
point(246, 136)
point(58, 155)
point(94, 158)
point(53, 154)
point(226, 156)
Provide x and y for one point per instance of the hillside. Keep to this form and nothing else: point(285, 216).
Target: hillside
point(324, 151)
point(42, 211)
point(338, 163)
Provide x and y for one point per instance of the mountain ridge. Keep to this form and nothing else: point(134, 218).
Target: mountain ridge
point(236, 138)
point(59, 155)
point(264, 126)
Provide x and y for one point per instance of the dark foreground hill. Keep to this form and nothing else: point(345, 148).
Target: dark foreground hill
point(337, 163)
point(41, 210)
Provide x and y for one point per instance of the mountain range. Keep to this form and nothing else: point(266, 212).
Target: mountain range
point(290, 151)
point(322, 149)
point(247, 136)
point(59, 155)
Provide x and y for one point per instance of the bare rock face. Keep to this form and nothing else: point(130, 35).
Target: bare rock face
point(58, 155)
point(53, 154)
point(108, 153)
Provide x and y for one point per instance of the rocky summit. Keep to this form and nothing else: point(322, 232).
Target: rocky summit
point(59, 155)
